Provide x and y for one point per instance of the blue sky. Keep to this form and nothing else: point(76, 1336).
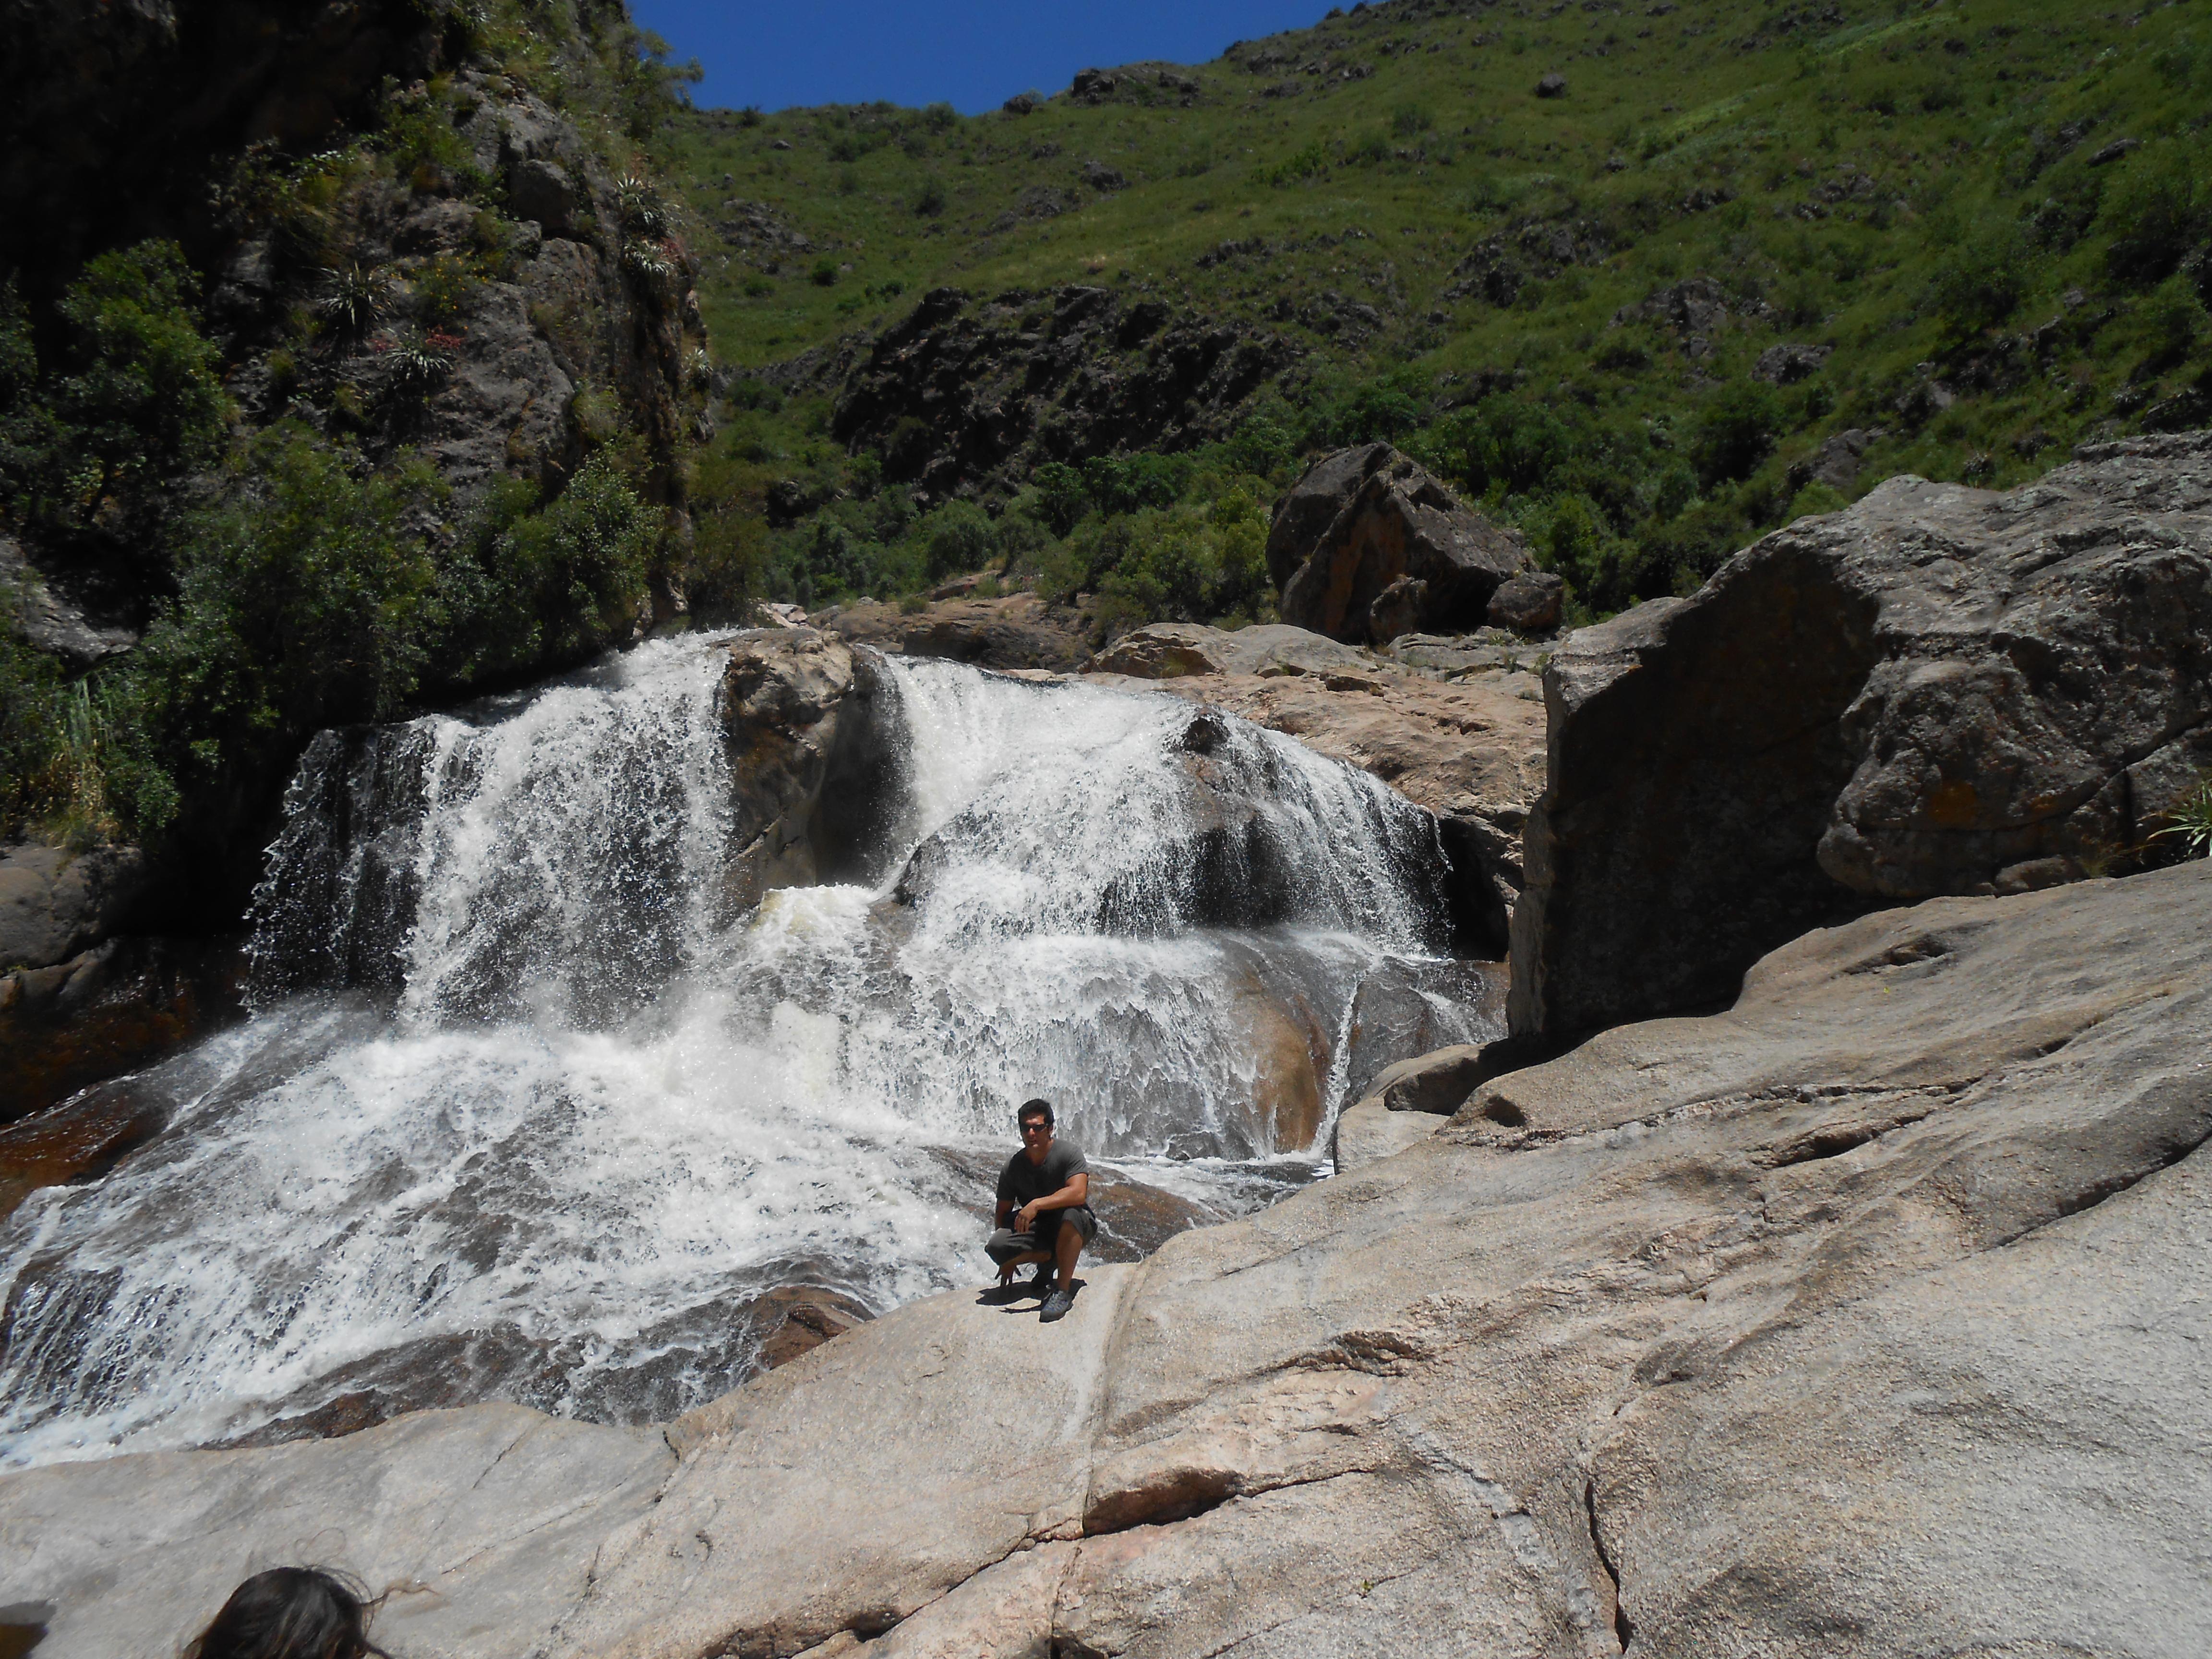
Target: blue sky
point(972, 54)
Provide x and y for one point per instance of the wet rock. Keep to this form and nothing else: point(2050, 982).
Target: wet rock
point(1470, 750)
point(1904, 699)
point(794, 1321)
point(123, 1005)
point(1396, 531)
point(54, 901)
point(1134, 1219)
point(810, 795)
point(1633, 1343)
point(77, 1142)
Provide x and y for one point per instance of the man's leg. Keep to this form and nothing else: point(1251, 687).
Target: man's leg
point(1012, 1249)
point(1069, 1246)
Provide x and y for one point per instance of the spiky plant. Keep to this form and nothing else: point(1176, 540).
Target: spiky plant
point(2191, 818)
point(650, 260)
point(419, 362)
point(354, 298)
point(639, 206)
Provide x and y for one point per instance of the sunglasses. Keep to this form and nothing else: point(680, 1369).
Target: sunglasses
point(1036, 1128)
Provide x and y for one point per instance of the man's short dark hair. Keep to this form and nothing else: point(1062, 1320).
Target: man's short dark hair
point(1035, 1108)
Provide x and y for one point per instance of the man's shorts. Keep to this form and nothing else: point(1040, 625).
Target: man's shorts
point(1004, 1246)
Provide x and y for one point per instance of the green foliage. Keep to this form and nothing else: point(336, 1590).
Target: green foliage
point(2189, 821)
point(355, 298)
point(1984, 272)
point(825, 273)
point(142, 401)
point(1061, 497)
point(957, 537)
point(2159, 215)
point(1127, 483)
point(1735, 431)
point(552, 586)
point(1189, 563)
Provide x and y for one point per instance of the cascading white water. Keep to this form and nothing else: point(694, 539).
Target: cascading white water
point(527, 1112)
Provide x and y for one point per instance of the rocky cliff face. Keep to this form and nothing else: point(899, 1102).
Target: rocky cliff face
point(1789, 1331)
point(970, 401)
point(1938, 691)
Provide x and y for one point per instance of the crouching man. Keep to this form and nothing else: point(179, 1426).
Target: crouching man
point(1044, 1210)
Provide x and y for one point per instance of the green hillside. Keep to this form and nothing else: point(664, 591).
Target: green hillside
point(1991, 226)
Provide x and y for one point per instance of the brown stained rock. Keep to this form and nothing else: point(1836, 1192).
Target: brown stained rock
point(800, 1318)
point(1015, 631)
point(1290, 1060)
point(1936, 690)
point(1398, 554)
point(77, 1142)
point(123, 1005)
point(1527, 604)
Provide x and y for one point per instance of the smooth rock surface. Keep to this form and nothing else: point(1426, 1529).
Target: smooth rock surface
point(1864, 1319)
point(55, 902)
point(1367, 1131)
point(1937, 691)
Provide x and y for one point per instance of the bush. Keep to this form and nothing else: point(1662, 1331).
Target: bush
point(825, 273)
point(1505, 445)
point(1062, 497)
point(929, 200)
point(145, 403)
point(2158, 215)
point(1129, 483)
point(554, 587)
point(1734, 432)
point(957, 537)
point(1188, 564)
point(1982, 278)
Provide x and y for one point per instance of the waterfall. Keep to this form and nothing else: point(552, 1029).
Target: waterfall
point(528, 1110)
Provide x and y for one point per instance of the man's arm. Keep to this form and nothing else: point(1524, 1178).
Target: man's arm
point(1073, 1195)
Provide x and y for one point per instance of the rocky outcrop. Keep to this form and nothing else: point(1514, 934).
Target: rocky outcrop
point(1019, 630)
point(54, 901)
point(1372, 547)
point(970, 401)
point(805, 767)
point(1938, 691)
point(1470, 750)
point(1791, 1330)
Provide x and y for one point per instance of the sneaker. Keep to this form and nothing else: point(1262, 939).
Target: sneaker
point(1056, 1306)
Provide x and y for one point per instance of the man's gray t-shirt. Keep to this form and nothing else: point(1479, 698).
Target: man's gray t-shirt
point(1024, 1183)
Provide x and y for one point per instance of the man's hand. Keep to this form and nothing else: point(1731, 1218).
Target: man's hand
point(1025, 1218)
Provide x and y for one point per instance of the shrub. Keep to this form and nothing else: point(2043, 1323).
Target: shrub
point(929, 200)
point(145, 401)
point(1409, 120)
point(354, 299)
point(1189, 563)
point(825, 273)
point(958, 536)
point(1734, 432)
point(2158, 215)
point(2190, 821)
point(1062, 498)
point(1129, 483)
point(569, 580)
point(1982, 277)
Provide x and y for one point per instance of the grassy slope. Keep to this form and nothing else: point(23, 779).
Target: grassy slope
point(1703, 140)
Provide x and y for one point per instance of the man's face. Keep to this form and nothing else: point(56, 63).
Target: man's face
point(1036, 1138)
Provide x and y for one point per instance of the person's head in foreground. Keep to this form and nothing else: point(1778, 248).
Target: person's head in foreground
point(1044, 1210)
point(290, 1613)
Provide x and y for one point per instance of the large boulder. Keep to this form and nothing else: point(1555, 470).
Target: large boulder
point(1373, 547)
point(55, 902)
point(808, 773)
point(1938, 691)
point(1014, 631)
point(1790, 1331)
